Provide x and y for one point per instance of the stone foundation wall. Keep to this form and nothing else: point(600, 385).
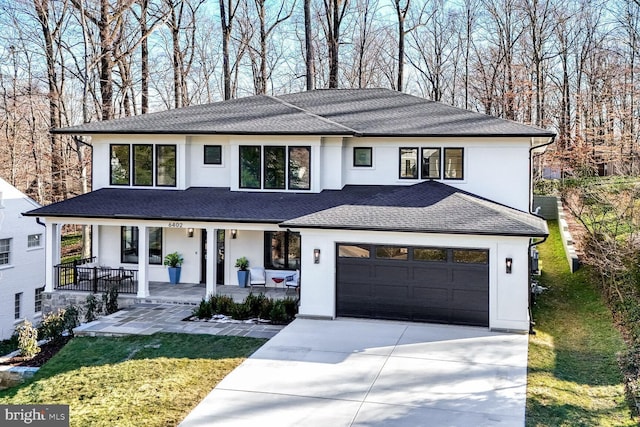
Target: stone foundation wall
point(51, 301)
point(13, 375)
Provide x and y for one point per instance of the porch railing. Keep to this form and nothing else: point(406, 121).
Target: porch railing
point(81, 275)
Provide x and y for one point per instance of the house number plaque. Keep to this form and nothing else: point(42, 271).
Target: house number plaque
point(175, 225)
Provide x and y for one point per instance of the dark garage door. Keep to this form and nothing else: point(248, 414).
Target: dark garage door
point(443, 285)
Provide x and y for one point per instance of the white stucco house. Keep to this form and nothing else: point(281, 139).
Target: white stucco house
point(22, 256)
point(391, 206)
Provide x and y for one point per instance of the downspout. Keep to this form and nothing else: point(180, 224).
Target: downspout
point(544, 239)
point(39, 221)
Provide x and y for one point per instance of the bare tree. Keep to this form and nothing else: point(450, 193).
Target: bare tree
point(308, 44)
point(335, 11)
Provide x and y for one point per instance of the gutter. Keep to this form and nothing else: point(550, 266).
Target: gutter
point(544, 239)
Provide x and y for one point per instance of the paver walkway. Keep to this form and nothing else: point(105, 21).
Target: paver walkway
point(146, 319)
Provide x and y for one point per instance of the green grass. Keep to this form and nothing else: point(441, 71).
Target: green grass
point(133, 381)
point(573, 377)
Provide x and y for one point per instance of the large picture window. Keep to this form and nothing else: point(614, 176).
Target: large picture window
point(250, 162)
point(274, 168)
point(120, 164)
point(453, 163)
point(430, 163)
point(143, 165)
point(282, 250)
point(299, 168)
point(283, 167)
point(166, 165)
point(135, 164)
point(129, 245)
point(408, 163)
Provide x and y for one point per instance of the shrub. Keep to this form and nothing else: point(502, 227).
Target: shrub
point(255, 303)
point(28, 339)
point(278, 312)
point(290, 308)
point(71, 318)
point(53, 325)
point(110, 300)
point(93, 307)
point(241, 311)
point(204, 310)
point(224, 305)
point(265, 309)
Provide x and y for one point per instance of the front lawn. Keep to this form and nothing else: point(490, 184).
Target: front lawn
point(574, 378)
point(133, 381)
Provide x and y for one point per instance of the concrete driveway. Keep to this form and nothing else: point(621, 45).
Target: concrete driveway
point(350, 372)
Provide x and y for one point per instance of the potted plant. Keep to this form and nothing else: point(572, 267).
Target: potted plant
point(242, 264)
point(174, 261)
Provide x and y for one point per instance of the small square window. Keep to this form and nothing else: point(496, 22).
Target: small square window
point(212, 154)
point(362, 156)
point(34, 240)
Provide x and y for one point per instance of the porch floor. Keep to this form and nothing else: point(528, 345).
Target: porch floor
point(192, 293)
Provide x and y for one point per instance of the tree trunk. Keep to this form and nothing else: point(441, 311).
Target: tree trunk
point(308, 44)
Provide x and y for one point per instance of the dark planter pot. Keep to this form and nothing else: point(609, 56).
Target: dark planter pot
point(243, 278)
point(174, 275)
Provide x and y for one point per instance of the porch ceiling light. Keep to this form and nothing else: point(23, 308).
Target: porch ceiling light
point(316, 256)
point(508, 264)
point(189, 232)
point(234, 233)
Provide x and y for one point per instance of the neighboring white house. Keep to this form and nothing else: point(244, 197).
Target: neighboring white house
point(22, 256)
point(390, 205)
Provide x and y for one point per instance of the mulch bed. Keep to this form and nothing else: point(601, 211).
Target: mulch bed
point(47, 351)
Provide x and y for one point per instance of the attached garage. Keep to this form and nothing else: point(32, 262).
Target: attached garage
point(430, 284)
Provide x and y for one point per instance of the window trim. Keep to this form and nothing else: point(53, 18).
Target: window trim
point(204, 155)
point(157, 163)
point(17, 305)
point(422, 149)
point(8, 252)
point(444, 157)
point(128, 183)
point(288, 166)
point(417, 151)
point(133, 165)
point(39, 241)
point(369, 164)
point(37, 299)
point(268, 235)
point(137, 245)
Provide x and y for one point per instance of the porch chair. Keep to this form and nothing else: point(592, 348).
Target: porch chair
point(257, 277)
point(293, 281)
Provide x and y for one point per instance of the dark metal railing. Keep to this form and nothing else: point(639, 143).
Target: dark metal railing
point(80, 276)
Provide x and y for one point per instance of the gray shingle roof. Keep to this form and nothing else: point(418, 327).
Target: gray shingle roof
point(429, 206)
point(356, 112)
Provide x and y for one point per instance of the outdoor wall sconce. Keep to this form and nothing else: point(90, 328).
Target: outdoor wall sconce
point(234, 233)
point(316, 256)
point(509, 263)
point(189, 232)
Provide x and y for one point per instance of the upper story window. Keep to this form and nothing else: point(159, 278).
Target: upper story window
point(34, 240)
point(136, 165)
point(453, 163)
point(430, 163)
point(5, 251)
point(362, 157)
point(435, 162)
point(275, 167)
point(213, 154)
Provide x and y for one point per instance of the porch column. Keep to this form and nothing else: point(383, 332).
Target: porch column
point(52, 254)
point(95, 242)
point(143, 264)
point(212, 265)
